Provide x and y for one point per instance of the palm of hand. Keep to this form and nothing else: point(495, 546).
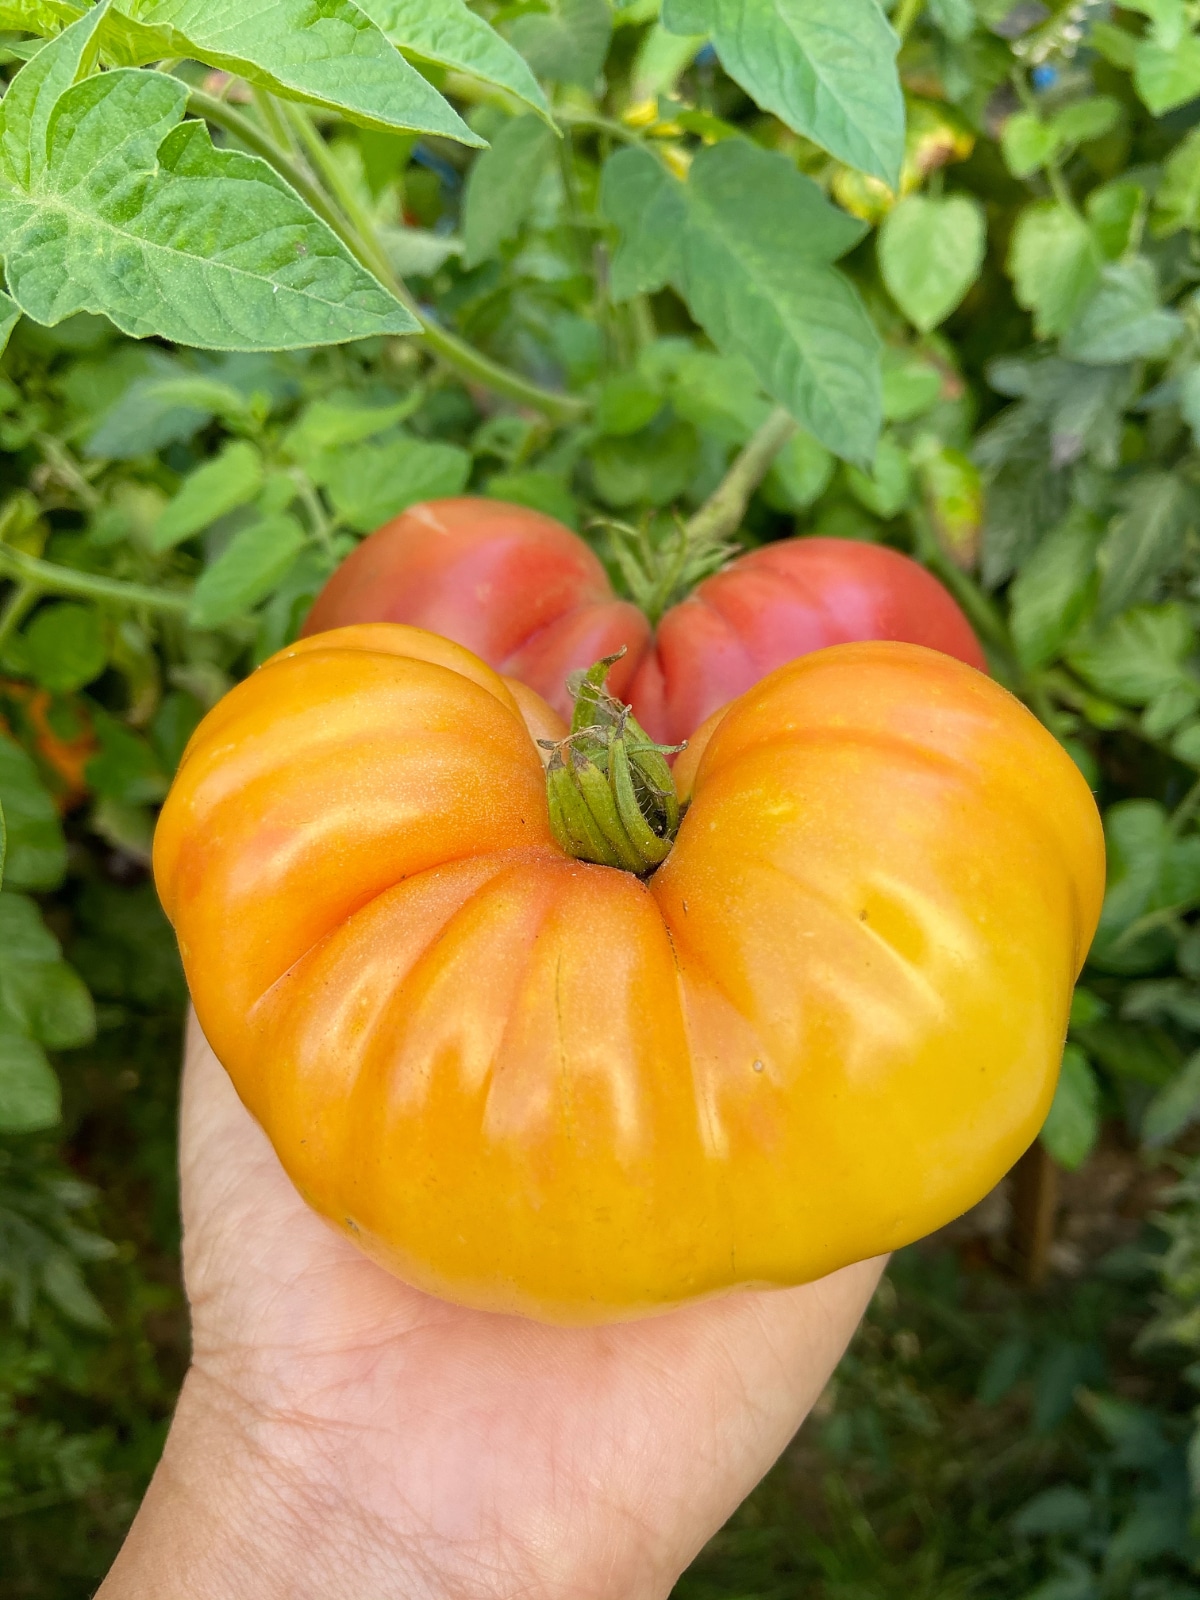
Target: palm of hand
point(413, 1447)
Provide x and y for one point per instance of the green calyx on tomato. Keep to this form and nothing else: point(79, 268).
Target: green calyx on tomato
point(610, 792)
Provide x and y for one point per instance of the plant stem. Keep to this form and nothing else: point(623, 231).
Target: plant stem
point(22, 600)
point(598, 124)
point(46, 577)
point(67, 471)
point(357, 233)
point(721, 514)
point(905, 16)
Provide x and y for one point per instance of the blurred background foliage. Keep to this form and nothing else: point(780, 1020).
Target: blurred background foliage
point(1017, 1417)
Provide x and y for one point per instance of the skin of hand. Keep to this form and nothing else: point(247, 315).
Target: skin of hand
point(342, 1436)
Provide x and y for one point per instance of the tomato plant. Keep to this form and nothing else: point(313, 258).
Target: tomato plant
point(694, 280)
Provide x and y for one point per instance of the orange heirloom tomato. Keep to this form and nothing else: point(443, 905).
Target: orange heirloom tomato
point(826, 1024)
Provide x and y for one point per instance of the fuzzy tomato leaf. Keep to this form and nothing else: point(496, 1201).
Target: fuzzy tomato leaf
point(502, 185)
point(231, 479)
point(246, 571)
point(750, 244)
point(137, 216)
point(568, 44)
point(825, 67)
point(1054, 261)
point(331, 54)
point(449, 34)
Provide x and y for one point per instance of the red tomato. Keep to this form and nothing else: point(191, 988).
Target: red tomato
point(529, 597)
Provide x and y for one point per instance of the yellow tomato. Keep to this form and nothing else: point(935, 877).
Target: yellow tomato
point(827, 1024)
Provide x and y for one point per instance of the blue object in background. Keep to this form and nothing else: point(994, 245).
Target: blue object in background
point(1044, 76)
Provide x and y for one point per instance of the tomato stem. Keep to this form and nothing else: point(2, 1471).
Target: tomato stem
point(611, 796)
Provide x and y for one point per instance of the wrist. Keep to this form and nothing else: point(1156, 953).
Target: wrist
point(230, 1511)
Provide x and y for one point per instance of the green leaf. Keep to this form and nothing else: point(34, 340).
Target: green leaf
point(32, 98)
point(719, 395)
point(650, 209)
point(627, 402)
point(37, 851)
point(30, 1099)
point(246, 571)
point(888, 488)
point(346, 416)
point(1136, 656)
point(1169, 19)
point(502, 185)
point(1053, 590)
point(63, 1285)
point(168, 405)
point(415, 252)
point(10, 315)
point(1177, 197)
point(374, 482)
point(1027, 143)
point(749, 243)
point(3, 844)
point(1117, 46)
point(1054, 261)
point(827, 68)
point(40, 995)
point(1113, 211)
point(1122, 320)
point(547, 492)
point(930, 253)
point(331, 54)
point(1073, 1124)
point(126, 771)
point(231, 479)
point(65, 646)
point(799, 474)
point(1166, 78)
point(1086, 120)
point(449, 34)
point(567, 46)
point(653, 467)
point(1173, 1108)
point(1145, 540)
point(954, 18)
point(1149, 871)
point(138, 217)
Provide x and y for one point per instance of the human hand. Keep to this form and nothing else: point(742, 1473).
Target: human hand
point(342, 1435)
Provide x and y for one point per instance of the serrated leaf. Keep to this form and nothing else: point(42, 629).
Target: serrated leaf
point(799, 474)
point(719, 395)
point(749, 242)
point(1073, 1123)
point(827, 68)
point(37, 851)
point(1166, 78)
point(1054, 261)
point(331, 54)
point(569, 45)
point(30, 1099)
point(1113, 212)
point(231, 479)
point(246, 571)
point(1145, 540)
point(416, 252)
point(930, 253)
point(502, 185)
point(1053, 591)
point(1122, 319)
point(887, 488)
point(138, 217)
point(373, 482)
point(32, 97)
point(449, 34)
point(1138, 655)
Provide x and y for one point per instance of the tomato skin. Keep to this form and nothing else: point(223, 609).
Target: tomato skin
point(529, 597)
point(828, 1023)
point(517, 588)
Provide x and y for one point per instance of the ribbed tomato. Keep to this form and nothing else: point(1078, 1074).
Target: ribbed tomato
point(527, 596)
point(827, 1023)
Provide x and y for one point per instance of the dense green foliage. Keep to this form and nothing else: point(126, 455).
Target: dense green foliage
point(625, 239)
